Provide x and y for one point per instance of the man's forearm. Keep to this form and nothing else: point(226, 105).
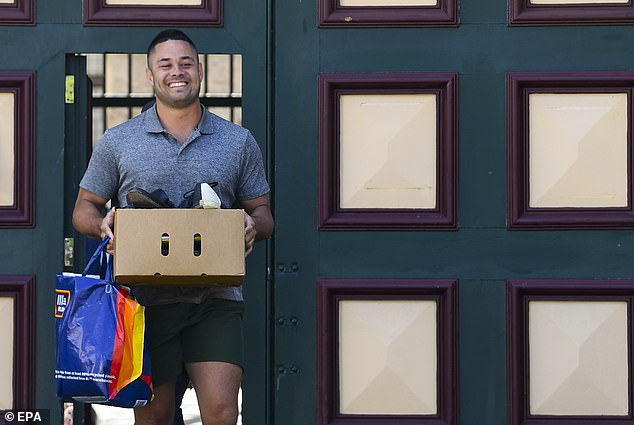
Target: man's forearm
point(263, 222)
point(87, 219)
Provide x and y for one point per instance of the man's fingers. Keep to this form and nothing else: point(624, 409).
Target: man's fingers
point(249, 234)
point(107, 224)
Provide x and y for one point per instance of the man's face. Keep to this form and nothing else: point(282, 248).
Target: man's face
point(175, 73)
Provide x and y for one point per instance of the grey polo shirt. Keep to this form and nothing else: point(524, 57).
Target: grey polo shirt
point(141, 154)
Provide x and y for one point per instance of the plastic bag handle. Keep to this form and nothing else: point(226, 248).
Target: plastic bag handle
point(100, 250)
point(109, 276)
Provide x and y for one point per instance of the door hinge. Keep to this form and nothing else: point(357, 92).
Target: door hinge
point(287, 321)
point(287, 369)
point(69, 90)
point(69, 251)
point(289, 269)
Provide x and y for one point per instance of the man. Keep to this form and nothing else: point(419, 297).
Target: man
point(174, 146)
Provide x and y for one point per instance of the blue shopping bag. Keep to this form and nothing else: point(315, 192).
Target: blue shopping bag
point(101, 351)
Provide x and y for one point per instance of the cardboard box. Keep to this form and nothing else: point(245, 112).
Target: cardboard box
point(179, 247)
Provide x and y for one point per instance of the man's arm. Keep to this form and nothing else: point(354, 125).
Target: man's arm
point(88, 216)
point(258, 221)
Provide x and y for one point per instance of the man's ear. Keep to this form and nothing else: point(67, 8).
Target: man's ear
point(149, 76)
point(200, 71)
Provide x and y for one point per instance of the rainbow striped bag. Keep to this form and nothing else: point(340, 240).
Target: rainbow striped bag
point(101, 352)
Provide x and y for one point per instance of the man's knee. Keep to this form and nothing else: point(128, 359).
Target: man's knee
point(220, 414)
point(217, 385)
point(153, 415)
point(160, 410)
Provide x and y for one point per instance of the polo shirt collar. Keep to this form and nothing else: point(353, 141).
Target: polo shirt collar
point(152, 124)
point(206, 125)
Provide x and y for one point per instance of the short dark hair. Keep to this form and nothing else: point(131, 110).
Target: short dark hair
point(170, 34)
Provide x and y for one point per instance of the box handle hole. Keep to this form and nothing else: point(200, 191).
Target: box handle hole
point(165, 244)
point(197, 243)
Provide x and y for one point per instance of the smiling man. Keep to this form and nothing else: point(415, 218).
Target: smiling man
point(174, 146)
point(175, 73)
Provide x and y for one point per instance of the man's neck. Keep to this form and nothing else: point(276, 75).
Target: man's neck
point(179, 122)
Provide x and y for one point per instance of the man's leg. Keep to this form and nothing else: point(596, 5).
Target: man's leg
point(160, 411)
point(217, 385)
point(182, 382)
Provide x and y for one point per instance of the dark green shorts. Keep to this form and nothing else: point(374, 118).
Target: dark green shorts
point(188, 333)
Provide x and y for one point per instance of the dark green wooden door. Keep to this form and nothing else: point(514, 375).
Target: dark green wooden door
point(322, 270)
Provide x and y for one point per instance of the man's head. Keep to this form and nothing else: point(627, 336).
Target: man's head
point(170, 34)
point(173, 69)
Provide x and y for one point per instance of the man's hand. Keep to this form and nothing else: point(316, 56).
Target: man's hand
point(258, 221)
point(249, 234)
point(107, 224)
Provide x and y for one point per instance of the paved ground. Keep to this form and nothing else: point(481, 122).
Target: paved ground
point(107, 415)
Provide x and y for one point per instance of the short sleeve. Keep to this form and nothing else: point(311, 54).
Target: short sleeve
point(102, 175)
point(252, 182)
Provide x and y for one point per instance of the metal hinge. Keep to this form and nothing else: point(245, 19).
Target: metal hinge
point(289, 269)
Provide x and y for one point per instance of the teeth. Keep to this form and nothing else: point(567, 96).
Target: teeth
point(180, 84)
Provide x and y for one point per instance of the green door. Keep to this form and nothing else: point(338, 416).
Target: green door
point(366, 104)
point(33, 251)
